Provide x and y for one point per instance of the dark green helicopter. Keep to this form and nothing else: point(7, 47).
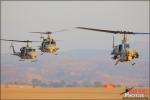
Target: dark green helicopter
point(26, 52)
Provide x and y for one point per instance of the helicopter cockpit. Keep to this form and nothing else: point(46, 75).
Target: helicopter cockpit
point(120, 47)
point(126, 45)
point(30, 50)
point(47, 42)
point(23, 49)
point(27, 49)
point(53, 42)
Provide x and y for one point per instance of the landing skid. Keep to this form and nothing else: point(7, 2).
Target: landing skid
point(34, 60)
point(56, 54)
point(133, 63)
point(49, 52)
point(42, 53)
point(117, 62)
point(22, 60)
point(31, 60)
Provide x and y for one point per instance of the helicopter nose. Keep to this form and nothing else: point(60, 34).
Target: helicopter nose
point(52, 49)
point(33, 55)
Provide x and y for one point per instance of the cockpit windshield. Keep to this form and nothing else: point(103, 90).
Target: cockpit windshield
point(127, 46)
point(53, 41)
point(30, 49)
point(120, 47)
point(22, 49)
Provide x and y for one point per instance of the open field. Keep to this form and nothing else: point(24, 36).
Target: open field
point(27, 92)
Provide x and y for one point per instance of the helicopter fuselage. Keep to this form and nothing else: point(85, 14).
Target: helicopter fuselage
point(27, 53)
point(123, 52)
point(49, 46)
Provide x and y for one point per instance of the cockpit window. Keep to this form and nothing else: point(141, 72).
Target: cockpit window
point(47, 42)
point(53, 41)
point(22, 49)
point(29, 50)
point(120, 47)
point(127, 45)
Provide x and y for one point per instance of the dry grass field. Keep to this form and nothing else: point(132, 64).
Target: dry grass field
point(27, 92)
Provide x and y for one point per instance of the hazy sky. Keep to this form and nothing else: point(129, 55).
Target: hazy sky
point(84, 55)
point(20, 18)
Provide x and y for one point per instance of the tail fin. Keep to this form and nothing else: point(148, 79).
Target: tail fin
point(12, 46)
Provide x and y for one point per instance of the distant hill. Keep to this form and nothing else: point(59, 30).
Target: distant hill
point(81, 66)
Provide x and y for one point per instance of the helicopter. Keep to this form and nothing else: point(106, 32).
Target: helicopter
point(122, 52)
point(48, 44)
point(26, 52)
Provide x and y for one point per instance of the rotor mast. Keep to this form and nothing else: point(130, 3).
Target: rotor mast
point(48, 33)
point(124, 37)
point(27, 43)
point(48, 36)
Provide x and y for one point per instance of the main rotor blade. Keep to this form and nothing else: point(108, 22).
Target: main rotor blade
point(11, 40)
point(110, 31)
point(61, 30)
point(6, 40)
point(100, 30)
point(140, 33)
point(19, 40)
point(49, 32)
point(37, 32)
point(43, 32)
